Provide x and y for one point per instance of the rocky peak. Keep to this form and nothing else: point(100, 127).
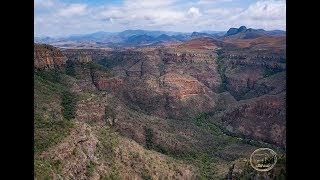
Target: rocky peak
point(233, 31)
point(242, 29)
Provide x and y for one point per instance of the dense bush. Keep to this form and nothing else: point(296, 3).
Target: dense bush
point(109, 113)
point(70, 68)
point(68, 103)
point(222, 72)
point(149, 137)
point(49, 75)
point(49, 133)
point(271, 71)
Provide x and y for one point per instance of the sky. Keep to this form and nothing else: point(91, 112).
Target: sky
point(56, 18)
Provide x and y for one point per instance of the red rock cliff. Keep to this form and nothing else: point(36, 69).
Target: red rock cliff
point(47, 57)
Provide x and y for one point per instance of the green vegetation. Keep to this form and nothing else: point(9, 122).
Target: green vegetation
point(161, 68)
point(112, 62)
point(145, 174)
point(90, 168)
point(70, 68)
point(50, 130)
point(222, 72)
point(108, 141)
point(114, 175)
point(107, 63)
point(49, 75)
point(206, 122)
point(149, 137)
point(48, 133)
point(100, 67)
point(43, 168)
point(271, 71)
point(46, 93)
point(68, 103)
point(109, 112)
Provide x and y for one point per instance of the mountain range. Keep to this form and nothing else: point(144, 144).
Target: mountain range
point(131, 38)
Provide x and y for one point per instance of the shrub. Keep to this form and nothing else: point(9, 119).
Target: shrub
point(149, 137)
point(271, 71)
point(109, 113)
point(68, 103)
point(222, 72)
point(90, 168)
point(49, 75)
point(70, 68)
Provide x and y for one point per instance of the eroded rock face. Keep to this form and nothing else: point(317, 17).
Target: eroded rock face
point(262, 118)
point(181, 82)
point(169, 95)
point(104, 81)
point(240, 81)
point(47, 57)
point(81, 56)
point(179, 86)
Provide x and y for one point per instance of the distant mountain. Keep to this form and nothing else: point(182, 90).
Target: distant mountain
point(92, 37)
point(233, 31)
point(129, 38)
point(244, 33)
point(128, 33)
point(139, 39)
point(43, 40)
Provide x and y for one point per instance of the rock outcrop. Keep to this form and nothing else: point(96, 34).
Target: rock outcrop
point(48, 57)
point(262, 118)
point(80, 55)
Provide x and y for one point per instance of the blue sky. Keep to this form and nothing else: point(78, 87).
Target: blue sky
point(65, 17)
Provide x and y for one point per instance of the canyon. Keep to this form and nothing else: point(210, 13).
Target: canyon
point(185, 111)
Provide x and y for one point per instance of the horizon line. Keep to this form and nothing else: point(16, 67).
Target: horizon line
point(68, 35)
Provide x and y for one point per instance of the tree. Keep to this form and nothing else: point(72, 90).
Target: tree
point(149, 137)
point(68, 103)
point(70, 68)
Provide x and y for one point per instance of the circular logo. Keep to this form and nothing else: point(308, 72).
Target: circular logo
point(263, 159)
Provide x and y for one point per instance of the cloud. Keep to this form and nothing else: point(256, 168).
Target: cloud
point(55, 17)
point(141, 4)
point(194, 12)
point(43, 3)
point(212, 1)
point(268, 14)
point(73, 9)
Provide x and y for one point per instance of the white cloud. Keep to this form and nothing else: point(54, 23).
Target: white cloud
point(141, 4)
point(194, 12)
point(212, 1)
point(54, 17)
point(43, 3)
point(268, 14)
point(73, 9)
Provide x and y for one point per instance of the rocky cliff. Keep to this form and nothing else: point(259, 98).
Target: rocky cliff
point(81, 56)
point(47, 57)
